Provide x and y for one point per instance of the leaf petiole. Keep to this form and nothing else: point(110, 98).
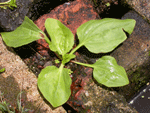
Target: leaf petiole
point(76, 48)
point(83, 64)
point(9, 3)
point(46, 38)
point(5, 2)
point(49, 42)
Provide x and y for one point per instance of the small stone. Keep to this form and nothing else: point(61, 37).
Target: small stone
point(44, 53)
point(38, 56)
point(89, 103)
point(86, 93)
point(142, 96)
point(41, 63)
point(40, 67)
point(49, 63)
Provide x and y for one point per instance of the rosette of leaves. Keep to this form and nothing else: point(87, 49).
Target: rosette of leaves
point(98, 36)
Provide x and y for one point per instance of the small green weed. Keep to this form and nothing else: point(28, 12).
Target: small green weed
point(2, 70)
point(5, 109)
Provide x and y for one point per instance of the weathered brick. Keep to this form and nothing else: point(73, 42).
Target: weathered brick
point(134, 56)
point(141, 6)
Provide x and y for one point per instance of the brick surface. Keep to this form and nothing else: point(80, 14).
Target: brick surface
point(141, 6)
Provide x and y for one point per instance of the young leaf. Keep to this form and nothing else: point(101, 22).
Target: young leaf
point(108, 72)
point(67, 58)
point(54, 83)
point(24, 34)
point(62, 39)
point(104, 35)
point(2, 70)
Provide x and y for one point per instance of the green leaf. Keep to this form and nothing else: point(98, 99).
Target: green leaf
point(57, 61)
point(24, 34)
point(54, 83)
point(104, 35)
point(2, 70)
point(109, 73)
point(62, 39)
point(3, 107)
point(19, 102)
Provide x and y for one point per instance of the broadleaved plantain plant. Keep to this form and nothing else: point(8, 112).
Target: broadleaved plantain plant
point(98, 36)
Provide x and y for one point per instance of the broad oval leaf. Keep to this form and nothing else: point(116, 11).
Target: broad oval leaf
point(109, 73)
point(24, 34)
point(62, 39)
point(54, 83)
point(102, 36)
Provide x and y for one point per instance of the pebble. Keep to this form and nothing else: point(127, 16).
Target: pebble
point(49, 63)
point(41, 63)
point(38, 56)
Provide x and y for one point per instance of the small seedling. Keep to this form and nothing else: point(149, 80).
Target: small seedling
point(10, 3)
point(107, 4)
point(98, 36)
point(2, 70)
point(5, 109)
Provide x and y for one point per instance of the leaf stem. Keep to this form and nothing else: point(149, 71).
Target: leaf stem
point(49, 42)
point(5, 2)
point(76, 48)
point(46, 38)
point(61, 66)
point(87, 65)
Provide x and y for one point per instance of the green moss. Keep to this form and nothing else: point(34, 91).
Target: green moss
point(149, 53)
point(138, 78)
